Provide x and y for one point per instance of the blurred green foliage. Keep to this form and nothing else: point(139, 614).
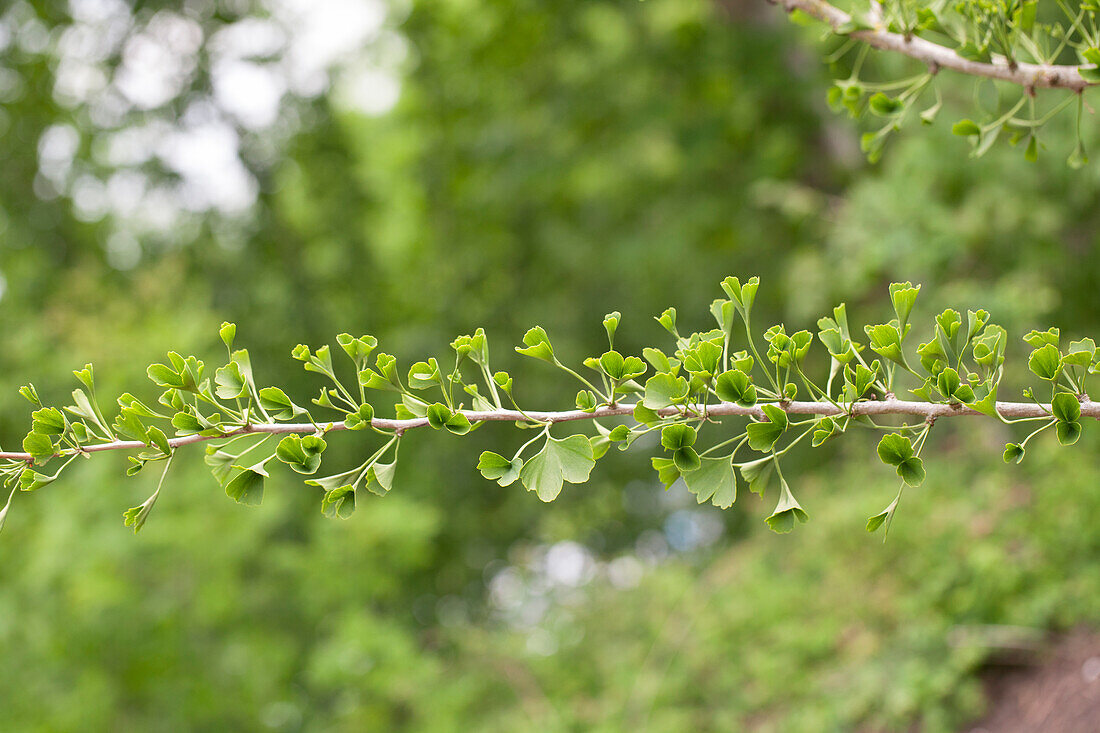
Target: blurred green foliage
point(545, 163)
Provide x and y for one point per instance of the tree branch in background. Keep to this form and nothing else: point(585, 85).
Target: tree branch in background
point(935, 56)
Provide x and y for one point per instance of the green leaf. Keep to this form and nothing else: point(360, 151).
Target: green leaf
point(86, 377)
point(247, 487)
point(736, 386)
point(1046, 362)
point(320, 361)
point(948, 382)
point(164, 376)
point(877, 521)
point(339, 502)
point(786, 511)
point(385, 378)
point(361, 418)
point(227, 332)
point(302, 454)
point(1065, 407)
point(976, 320)
point(664, 390)
point(987, 405)
point(742, 362)
point(612, 364)
point(784, 350)
point(633, 367)
point(1038, 339)
point(537, 345)
point(1068, 432)
point(185, 373)
point(714, 481)
point(459, 424)
point(155, 437)
point(476, 347)
point(674, 437)
point(668, 320)
point(894, 449)
point(619, 433)
point(230, 382)
point(1013, 452)
point(610, 325)
point(911, 471)
point(666, 470)
point(686, 459)
point(275, 402)
point(1079, 158)
point(903, 296)
point(358, 349)
point(1026, 15)
point(30, 394)
point(824, 429)
point(885, 340)
point(757, 473)
point(129, 425)
point(702, 360)
point(986, 141)
point(221, 464)
point(48, 421)
point(885, 106)
point(764, 435)
point(861, 378)
point(39, 446)
point(504, 381)
point(742, 295)
point(85, 408)
point(723, 312)
point(645, 416)
point(135, 516)
point(586, 401)
point(566, 459)
point(1080, 353)
point(928, 116)
point(373, 380)
point(1031, 153)
point(425, 374)
point(966, 127)
point(380, 478)
point(442, 417)
point(496, 467)
point(660, 362)
point(31, 480)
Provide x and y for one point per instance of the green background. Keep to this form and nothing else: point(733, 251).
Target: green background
point(545, 163)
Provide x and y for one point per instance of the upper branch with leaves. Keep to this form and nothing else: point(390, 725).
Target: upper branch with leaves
point(679, 397)
point(1029, 47)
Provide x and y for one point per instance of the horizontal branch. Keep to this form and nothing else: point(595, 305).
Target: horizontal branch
point(879, 407)
point(937, 56)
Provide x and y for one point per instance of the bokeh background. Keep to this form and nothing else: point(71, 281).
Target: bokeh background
point(415, 169)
